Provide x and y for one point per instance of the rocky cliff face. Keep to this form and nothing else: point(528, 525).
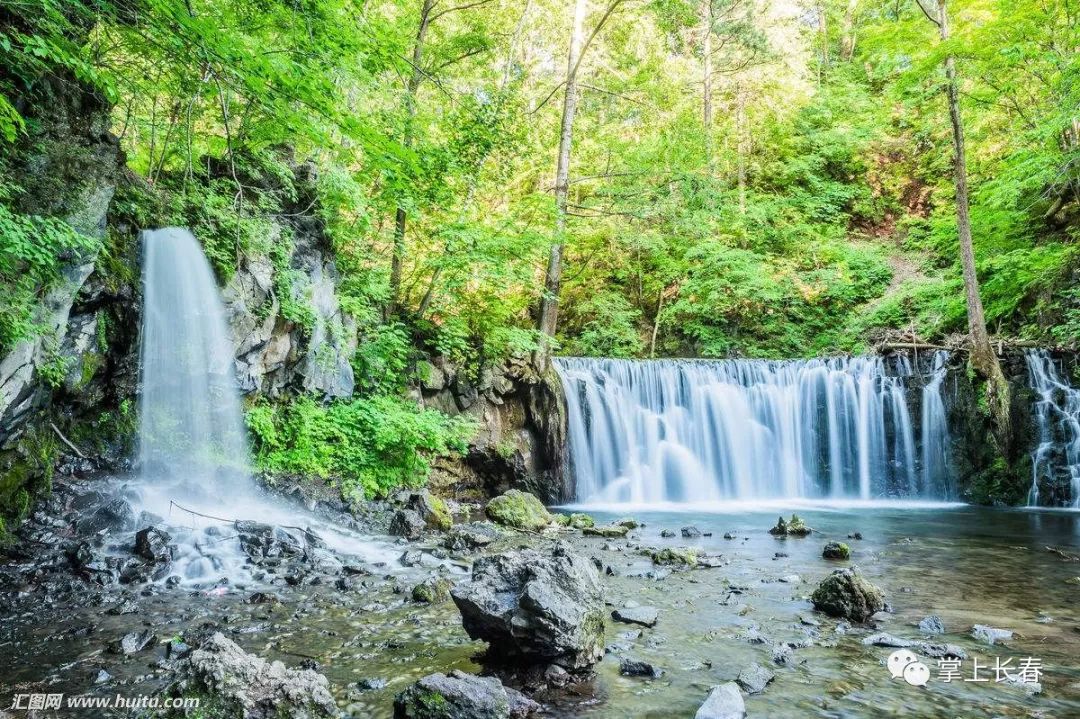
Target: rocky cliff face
point(521, 444)
point(276, 355)
point(67, 166)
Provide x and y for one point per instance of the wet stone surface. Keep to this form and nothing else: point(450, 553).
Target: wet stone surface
point(64, 604)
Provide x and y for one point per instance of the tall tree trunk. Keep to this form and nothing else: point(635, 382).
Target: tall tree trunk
point(743, 143)
point(416, 77)
point(549, 306)
point(983, 359)
point(847, 39)
point(707, 73)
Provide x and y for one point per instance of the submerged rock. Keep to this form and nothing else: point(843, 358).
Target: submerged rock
point(536, 606)
point(243, 685)
point(634, 668)
point(645, 616)
point(519, 510)
point(724, 702)
point(836, 550)
point(932, 625)
point(461, 696)
point(755, 678)
point(990, 635)
point(846, 594)
point(690, 532)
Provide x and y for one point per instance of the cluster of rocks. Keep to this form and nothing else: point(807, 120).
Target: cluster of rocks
point(233, 683)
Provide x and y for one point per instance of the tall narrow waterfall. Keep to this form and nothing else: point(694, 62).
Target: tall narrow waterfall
point(1057, 416)
point(696, 430)
point(191, 431)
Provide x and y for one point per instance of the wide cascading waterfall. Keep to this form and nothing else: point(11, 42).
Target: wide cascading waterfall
point(191, 431)
point(1057, 418)
point(646, 432)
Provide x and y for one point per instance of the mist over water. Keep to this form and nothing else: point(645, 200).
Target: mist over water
point(697, 431)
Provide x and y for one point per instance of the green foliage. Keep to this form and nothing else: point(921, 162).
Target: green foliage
point(370, 445)
point(33, 251)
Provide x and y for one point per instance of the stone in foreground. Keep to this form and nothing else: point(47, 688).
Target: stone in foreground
point(645, 616)
point(519, 510)
point(755, 678)
point(461, 696)
point(536, 606)
point(845, 594)
point(724, 702)
point(247, 687)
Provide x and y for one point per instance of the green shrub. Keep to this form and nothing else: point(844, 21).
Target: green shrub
point(371, 445)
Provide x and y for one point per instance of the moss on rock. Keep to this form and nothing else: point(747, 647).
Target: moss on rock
point(432, 591)
point(836, 550)
point(581, 521)
point(519, 510)
point(677, 555)
point(847, 594)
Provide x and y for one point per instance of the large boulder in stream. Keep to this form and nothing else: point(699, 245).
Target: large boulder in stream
point(234, 683)
point(847, 594)
point(461, 696)
point(536, 606)
point(519, 510)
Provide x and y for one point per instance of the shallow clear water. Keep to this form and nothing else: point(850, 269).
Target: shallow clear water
point(969, 565)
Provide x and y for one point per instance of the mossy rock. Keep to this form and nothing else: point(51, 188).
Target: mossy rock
point(780, 530)
point(439, 517)
point(795, 527)
point(836, 550)
point(519, 510)
point(563, 520)
point(432, 591)
point(629, 523)
point(846, 594)
point(581, 521)
point(432, 510)
point(608, 531)
point(678, 555)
